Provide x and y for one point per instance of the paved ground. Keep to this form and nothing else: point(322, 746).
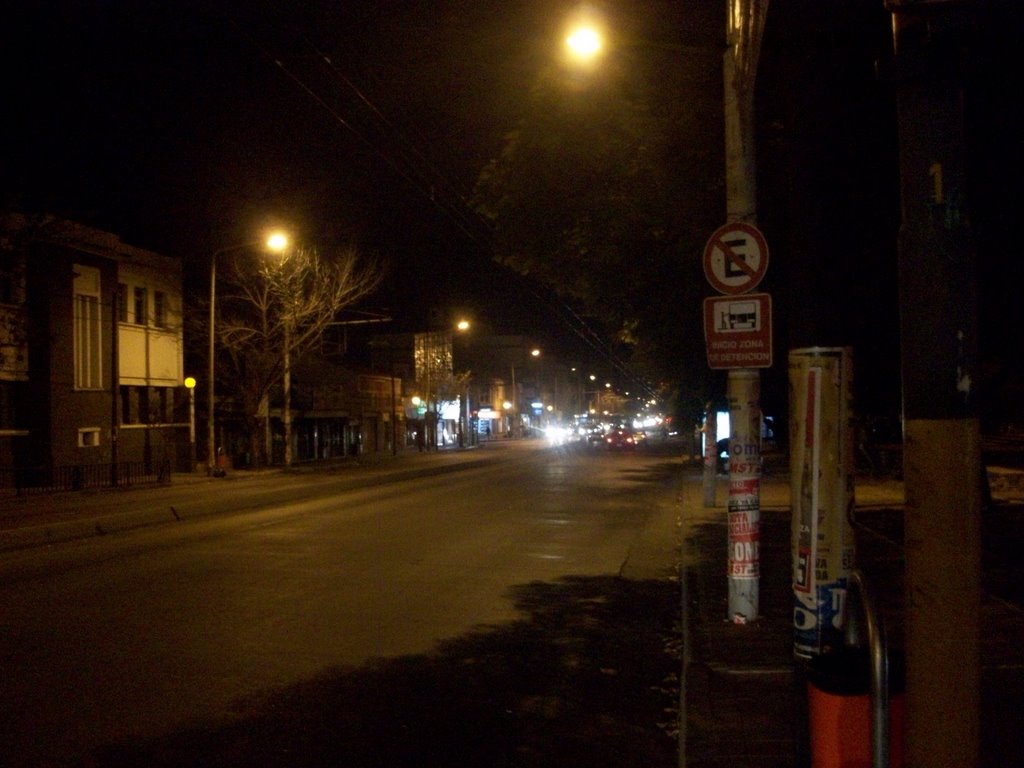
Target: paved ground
point(580, 670)
point(745, 698)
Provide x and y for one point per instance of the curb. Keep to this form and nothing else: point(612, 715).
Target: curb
point(77, 524)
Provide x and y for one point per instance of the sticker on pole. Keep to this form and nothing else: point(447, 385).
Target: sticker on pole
point(735, 258)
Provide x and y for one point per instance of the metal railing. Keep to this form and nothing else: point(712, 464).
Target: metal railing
point(22, 481)
point(861, 610)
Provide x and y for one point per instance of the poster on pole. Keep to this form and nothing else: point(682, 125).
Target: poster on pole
point(821, 477)
point(744, 510)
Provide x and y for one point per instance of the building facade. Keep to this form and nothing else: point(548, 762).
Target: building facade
point(338, 412)
point(91, 350)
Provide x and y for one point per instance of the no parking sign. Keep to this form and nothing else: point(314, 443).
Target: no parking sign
point(735, 258)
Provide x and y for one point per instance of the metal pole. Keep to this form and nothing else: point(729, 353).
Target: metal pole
point(192, 429)
point(861, 606)
point(286, 413)
point(428, 435)
point(115, 375)
point(710, 454)
point(394, 410)
point(211, 442)
point(464, 417)
point(515, 405)
point(192, 426)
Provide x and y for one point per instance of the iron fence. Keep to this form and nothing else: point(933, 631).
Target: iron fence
point(79, 477)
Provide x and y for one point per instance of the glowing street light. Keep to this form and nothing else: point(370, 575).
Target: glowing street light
point(584, 43)
point(585, 36)
point(276, 242)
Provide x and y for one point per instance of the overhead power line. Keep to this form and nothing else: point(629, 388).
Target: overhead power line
point(408, 162)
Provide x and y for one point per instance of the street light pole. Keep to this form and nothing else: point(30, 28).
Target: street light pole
point(211, 442)
point(190, 385)
point(428, 351)
point(277, 241)
point(394, 409)
point(286, 385)
point(463, 326)
point(513, 428)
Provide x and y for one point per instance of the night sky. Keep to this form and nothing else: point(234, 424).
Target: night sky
point(186, 126)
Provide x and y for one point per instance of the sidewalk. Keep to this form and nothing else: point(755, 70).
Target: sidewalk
point(744, 697)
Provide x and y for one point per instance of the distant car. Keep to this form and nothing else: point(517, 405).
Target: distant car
point(620, 439)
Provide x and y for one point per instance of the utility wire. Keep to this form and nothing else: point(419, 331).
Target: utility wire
point(424, 176)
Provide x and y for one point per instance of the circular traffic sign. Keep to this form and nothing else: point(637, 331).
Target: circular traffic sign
point(735, 258)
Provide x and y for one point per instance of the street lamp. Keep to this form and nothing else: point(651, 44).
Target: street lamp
point(463, 326)
point(584, 37)
point(276, 241)
point(535, 354)
point(584, 42)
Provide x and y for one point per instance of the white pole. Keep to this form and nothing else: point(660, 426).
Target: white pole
point(286, 413)
point(211, 443)
point(744, 511)
point(744, 386)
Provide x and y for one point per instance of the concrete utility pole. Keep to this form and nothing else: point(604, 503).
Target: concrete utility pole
point(745, 25)
point(942, 454)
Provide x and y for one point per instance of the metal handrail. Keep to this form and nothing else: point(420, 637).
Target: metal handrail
point(860, 597)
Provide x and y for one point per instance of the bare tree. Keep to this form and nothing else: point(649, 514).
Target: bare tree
point(277, 312)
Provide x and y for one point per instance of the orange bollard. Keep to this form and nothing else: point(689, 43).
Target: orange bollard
point(839, 703)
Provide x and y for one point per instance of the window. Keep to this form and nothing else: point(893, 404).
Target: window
point(86, 328)
point(129, 404)
point(140, 306)
point(89, 437)
point(159, 309)
point(146, 405)
point(164, 401)
point(122, 303)
point(12, 279)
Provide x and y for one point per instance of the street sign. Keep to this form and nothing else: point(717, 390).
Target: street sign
point(735, 258)
point(738, 330)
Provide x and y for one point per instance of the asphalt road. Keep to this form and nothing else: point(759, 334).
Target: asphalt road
point(504, 614)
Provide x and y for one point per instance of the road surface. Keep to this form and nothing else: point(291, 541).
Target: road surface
point(505, 613)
